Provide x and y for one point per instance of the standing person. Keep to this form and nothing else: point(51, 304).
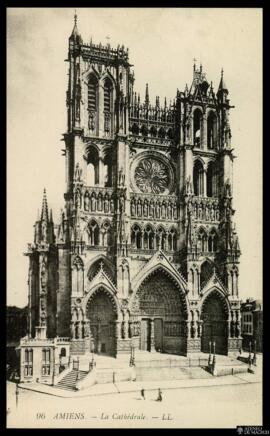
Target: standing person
point(142, 393)
point(159, 398)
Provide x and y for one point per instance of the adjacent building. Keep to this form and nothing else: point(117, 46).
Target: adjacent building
point(252, 324)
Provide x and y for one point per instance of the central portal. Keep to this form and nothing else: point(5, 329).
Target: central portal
point(146, 325)
point(158, 315)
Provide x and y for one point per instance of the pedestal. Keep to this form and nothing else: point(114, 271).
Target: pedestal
point(193, 345)
point(234, 344)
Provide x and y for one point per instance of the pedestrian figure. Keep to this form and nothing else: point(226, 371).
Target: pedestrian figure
point(142, 393)
point(159, 398)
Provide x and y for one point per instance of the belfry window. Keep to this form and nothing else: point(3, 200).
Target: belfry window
point(92, 93)
point(211, 180)
point(197, 127)
point(198, 178)
point(92, 173)
point(107, 95)
point(211, 130)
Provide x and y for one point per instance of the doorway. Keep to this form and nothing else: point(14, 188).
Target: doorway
point(214, 325)
point(145, 335)
point(158, 334)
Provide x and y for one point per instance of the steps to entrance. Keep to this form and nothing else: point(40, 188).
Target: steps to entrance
point(152, 366)
point(69, 381)
point(170, 373)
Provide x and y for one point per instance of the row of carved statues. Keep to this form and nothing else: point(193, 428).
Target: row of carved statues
point(153, 208)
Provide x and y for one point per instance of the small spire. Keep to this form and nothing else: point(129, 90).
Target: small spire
point(194, 63)
point(222, 85)
point(165, 102)
point(75, 33)
point(44, 211)
point(51, 216)
point(147, 95)
point(157, 101)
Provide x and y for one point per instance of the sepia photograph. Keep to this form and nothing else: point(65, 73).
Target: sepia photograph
point(134, 218)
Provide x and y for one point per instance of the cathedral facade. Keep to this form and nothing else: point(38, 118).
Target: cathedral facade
point(146, 254)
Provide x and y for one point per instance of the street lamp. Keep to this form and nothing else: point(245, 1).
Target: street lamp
point(17, 379)
point(214, 357)
point(249, 355)
point(254, 361)
point(210, 357)
point(98, 333)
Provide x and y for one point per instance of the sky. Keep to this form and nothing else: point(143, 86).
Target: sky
point(162, 44)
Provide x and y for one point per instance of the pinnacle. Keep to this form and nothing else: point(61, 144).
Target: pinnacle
point(222, 84)
point(44, 211)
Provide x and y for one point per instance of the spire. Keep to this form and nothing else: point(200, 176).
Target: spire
point(75, 32)
point(44, 211)
point(222, 85)
point(146, 95)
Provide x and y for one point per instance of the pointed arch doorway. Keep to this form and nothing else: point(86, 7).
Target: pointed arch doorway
point(158, 315)
point(102, 314)
point(215, 325)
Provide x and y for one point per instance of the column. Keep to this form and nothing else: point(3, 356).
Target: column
point(188, 329)
point(155, 240)
point(80, 329)
point(204, 183)
point(126, 325)
point(87, 328)
point(152, 334)
point(101, 172)
point(72, 328)
point(204, 132)
point(118, 332)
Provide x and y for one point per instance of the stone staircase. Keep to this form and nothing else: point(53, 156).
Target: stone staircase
point(69, 381)
point(170, 373)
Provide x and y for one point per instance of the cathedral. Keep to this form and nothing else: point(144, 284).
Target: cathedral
point(146, 253)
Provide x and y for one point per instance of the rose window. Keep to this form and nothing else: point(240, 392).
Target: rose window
point(151, 176)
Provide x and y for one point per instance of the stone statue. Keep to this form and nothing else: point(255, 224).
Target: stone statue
point(106, 205)
point(86, 202)
point(133, 212)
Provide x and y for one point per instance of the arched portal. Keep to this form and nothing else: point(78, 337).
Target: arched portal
point(102, 315)
point(214, 316)
point(158, 315)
